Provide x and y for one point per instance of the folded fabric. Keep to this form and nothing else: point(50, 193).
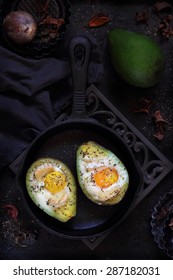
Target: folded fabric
point(32, 94)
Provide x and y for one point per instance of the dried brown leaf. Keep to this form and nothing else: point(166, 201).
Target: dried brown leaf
point(159, 135)
point(144, 106)
point(158, 117)
point(165, 28)
point(98, 20)
point(161, 6)
point(160, 125)
point(142, 17)
point(12, 211)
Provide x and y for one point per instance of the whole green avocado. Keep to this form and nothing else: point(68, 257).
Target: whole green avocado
point(137, 59)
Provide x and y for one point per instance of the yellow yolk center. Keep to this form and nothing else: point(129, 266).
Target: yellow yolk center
point(105, 177)
point(55, 181)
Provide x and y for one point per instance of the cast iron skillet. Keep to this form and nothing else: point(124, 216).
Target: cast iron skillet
point(62, 140)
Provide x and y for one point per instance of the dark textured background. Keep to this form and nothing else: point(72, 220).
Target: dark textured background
point(133, 238)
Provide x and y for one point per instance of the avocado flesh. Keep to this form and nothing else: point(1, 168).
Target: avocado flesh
point(64, 212)
point(137, 59)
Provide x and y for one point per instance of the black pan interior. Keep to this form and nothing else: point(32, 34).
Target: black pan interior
point(61, 142)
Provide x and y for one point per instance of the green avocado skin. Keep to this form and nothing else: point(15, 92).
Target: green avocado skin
point(137, 59)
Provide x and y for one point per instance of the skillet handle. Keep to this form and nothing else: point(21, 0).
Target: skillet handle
point(80, 51)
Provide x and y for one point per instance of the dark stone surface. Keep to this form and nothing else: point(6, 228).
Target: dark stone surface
point(133, 238)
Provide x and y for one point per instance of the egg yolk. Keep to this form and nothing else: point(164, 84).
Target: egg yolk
point(54, 181)
point(105, 177)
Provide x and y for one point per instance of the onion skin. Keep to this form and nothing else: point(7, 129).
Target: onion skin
point(20, 27)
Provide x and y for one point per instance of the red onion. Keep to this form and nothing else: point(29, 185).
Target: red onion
point(20, 27)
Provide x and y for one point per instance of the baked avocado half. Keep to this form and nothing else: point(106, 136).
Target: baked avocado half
point(52, 187)
point(102, 176)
